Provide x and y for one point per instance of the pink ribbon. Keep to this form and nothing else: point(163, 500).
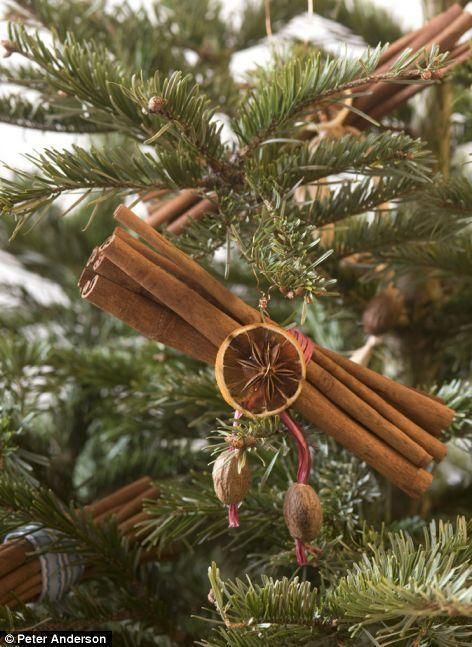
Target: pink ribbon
point(304, 457)
point(233, 513)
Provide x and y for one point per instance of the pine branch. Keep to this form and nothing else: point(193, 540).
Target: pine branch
point(376, 155)
point(413, 591)
point(293, 87)
point(450, 258)
point(452, 195)
point(103, 170)
point(183, 105)
point(458, 395)
point(403, 591)
point(25, 76)
point(277, 608)
point(190, 513)
point(88, 72)
point(358, 197)
point(19, 111)
point(389, 229)
point(85, 71)
point(282, 251)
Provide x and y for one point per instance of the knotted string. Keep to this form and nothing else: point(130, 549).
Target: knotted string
point(59, 570)
point(233, 514)
point(304, 457)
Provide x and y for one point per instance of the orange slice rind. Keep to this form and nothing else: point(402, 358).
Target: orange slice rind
point(260, 369)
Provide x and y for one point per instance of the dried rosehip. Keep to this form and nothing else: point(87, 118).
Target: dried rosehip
point(260, 369)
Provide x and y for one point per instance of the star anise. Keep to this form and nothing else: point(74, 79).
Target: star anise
point(261, 370)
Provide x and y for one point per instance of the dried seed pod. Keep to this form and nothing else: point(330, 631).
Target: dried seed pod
point(260, 369)
point(383, 312)
point(302, 511)
point(231, 484)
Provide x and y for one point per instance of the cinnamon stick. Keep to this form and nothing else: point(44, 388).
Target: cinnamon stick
point(108, 270)
point(426, 412)
point(432, 445)
point(87, 272)
point(360, 410)
point(433, 26)
point(448, 27)
point(136, 505)
point(213, 324)
point(239, 313)
point(28, 591)
point(148, 318)
point(459, 55)
point(155, 194)
point(128, 527)
point(14, 555)
point(194, 213)
point(453, 31)
point(230, 303)
point(166, 263)
point(20, 575)
point(171, 209)
point(124, 493)
point(314, 406)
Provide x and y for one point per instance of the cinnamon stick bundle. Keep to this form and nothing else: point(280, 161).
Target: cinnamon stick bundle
point(176, 212)
point(443, 30)
point(20, 570)
point(390, 426)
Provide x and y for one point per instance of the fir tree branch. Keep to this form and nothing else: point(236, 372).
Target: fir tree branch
point(89, 73)
point(282, 251)
point(452, 257)
point(287, 606)
point(19, 111)
point(85, 71)
point(412, 590)
point(376, 154)
point(358, 197)
point(297, 85)
point(25, 76)
point(389, 229)
point(458, 395)
point(93, 170)
point(398, 589)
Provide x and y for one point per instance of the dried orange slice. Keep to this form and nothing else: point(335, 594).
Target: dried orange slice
point(260, 369)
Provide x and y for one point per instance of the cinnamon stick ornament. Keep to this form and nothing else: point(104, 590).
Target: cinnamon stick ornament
point(170, 298)
point(22, 579)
